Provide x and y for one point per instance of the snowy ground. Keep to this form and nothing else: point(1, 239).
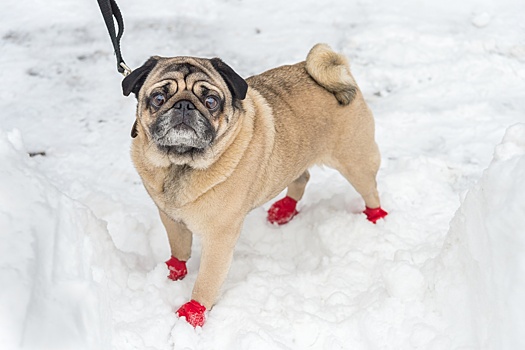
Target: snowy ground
point(82, 248)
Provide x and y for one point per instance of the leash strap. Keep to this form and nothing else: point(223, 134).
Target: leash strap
point(109, 11)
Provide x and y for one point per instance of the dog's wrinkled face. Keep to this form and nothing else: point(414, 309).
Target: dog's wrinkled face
point(184, 104)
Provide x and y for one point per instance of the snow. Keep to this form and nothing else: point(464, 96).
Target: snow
point(483, 256)
point(82, 252)
point(46, 273)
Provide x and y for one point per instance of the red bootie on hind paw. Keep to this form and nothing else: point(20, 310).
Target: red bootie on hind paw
point(374, 214)
point(282, 211)
point(177, 269)
point(194, 313)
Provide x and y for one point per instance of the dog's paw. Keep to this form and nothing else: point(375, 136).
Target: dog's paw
point(194, 312)
point(282, 211)
point(374, 214)
point(177, 269)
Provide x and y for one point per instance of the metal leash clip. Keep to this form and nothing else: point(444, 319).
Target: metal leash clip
point(127, 71)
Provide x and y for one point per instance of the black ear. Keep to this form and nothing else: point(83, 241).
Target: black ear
point(134, 81)
point(236, 84)
point(134, 131)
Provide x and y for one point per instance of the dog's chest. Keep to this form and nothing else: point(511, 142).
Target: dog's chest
point(176, 189)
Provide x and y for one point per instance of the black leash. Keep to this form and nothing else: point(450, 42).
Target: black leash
point(109, 10)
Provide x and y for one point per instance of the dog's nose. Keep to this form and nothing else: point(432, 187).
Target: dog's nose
point(184, 105)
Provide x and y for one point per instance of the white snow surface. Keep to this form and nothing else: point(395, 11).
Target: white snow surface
point(82, 248)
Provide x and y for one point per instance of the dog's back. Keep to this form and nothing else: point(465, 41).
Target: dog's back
point(316, 103)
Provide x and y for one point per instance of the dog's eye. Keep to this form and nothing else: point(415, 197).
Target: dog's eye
point(211, 102)
point(158, 100)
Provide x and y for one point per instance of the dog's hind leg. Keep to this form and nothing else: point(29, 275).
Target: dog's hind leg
point(284, 209)
point(361, 172)
point(180, 239)
point(297, 187)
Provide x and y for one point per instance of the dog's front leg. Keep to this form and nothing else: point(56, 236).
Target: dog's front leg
point(180, 239)
point(216, 257)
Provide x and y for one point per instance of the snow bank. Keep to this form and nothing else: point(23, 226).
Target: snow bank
point(480, 280)
point(64, 284)
point(48, 299)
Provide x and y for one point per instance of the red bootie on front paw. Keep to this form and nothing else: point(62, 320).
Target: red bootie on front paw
point(374, 214)
point(194, 313)
point(177, 269)
point(282, 211)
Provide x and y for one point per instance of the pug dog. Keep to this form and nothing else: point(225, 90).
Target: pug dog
point(211, 146)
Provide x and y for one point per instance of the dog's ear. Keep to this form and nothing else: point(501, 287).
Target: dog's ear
point(134, 81)
point(134, 131)
point(236, 84)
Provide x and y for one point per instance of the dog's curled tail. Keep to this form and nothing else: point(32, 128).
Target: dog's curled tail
point(332, 71)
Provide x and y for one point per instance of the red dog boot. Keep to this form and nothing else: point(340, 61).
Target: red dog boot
point(194, 313)
point(282, 211)
point(177, 269)
point(374, 214)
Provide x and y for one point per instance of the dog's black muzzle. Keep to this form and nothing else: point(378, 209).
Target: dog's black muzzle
point(182, 128)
